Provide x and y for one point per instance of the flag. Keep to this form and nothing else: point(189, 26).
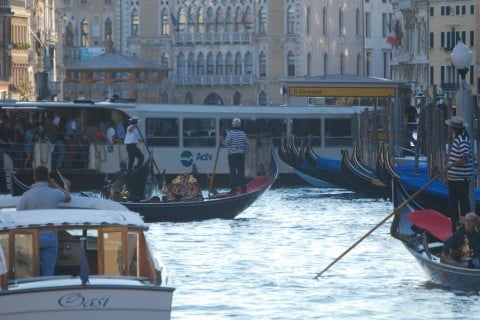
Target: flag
point(391, 38)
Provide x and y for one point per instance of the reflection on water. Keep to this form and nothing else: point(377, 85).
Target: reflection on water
point(262, 264)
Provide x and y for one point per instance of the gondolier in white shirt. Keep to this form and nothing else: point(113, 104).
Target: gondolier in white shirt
point(132, 138)
point(460, 171)
point(237, 143)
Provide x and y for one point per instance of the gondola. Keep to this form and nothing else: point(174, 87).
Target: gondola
point(362, 180)
point(314, 170)
point(201, 205)
point(423, 233)
point(215, 206)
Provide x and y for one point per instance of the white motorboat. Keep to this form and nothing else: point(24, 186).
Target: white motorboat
point(104, 267)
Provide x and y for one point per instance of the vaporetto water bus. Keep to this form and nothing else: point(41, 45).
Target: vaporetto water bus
point(181, 138)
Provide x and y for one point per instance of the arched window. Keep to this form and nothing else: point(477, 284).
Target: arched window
point(84, 25)
point(324, 21)
point(238, 20)
point(165, 24)
point(219, 20)
point(135, 22)
point(210, 64)
point(70, 35)
point(238, 64)
point(248, 18)
point(189, 98)
point(108, 30)
point(325, 63)
point(229, 21)
point(342, 63)
point(210, 20)
point(309, 17)
point(181, 70)
point(359, 64)
point(165, 60)
point(229, 64)
point(181, 20)
point(262, 21)
point(201, 20)
point(262, 65)
point(309, 64)
point(291, 20)
point(191, 20)
point(237, 98)
point(248, 63)
point(262, 98)
point(200, 64)
point(164, 96)
point(358, 22)
point(341, 27)
point(191, 64)
point(213, 99)
point(290, 64)
point(220, 64)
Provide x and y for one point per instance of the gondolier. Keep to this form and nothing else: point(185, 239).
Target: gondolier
point(132, 138)
point(237, 143)
point(460, 172)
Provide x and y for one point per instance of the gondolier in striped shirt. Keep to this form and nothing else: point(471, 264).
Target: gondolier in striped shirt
point(237, 143)
point(460, 171)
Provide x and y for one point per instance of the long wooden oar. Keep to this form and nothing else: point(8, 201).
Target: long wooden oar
point(212, 178)
point(404, 203)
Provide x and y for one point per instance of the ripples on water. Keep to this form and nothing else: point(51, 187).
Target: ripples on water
point(261, 265)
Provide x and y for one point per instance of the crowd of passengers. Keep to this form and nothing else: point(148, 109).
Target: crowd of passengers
point(70, 142)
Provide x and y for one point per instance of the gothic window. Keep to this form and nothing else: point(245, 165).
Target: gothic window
point(341, 27)
point(165, 25)
point(238, 20)
point(262, 21)
point(262, 64)
point(210, 20)
point(135, 22)
point(325, 63)
point(342, 63)
point(238, 64)
point(262, 98)
point(181, 65)
point(200, 21)
point(237, 98)
point(229, 64)
point(309, 17)
point(309, 64)
point(69, 38)
point(200, 64)
point(191, 64)
point(84, 27)
point(291, 20)
point(324, 21)
point(290, 64)
point(220, 64)
point(181, 20)
point(248, 18)
point(359, 64)
point(248, 64)
point(108, 31)
point(165, 60)
point(229, 21)
point(189, 98)
point(191, 20)
point(210, 64)
point(219, 21)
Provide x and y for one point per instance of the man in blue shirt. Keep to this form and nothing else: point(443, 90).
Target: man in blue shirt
point(45, 194)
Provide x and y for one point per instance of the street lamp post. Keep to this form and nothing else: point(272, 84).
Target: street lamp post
point(461, 58)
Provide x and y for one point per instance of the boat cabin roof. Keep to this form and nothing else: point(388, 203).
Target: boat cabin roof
point(80, 211)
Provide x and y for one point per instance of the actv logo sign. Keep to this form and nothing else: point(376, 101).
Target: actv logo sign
point(187, 157)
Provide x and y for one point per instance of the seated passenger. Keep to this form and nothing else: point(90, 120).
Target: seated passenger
point(464, 245)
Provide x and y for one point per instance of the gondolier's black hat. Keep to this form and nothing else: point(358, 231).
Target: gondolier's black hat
point(455, 122)
point(133, 120)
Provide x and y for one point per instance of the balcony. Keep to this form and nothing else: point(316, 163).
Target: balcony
point(207, 80)
point(208, 38)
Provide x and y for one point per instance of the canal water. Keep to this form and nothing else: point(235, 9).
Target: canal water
point(261, 265)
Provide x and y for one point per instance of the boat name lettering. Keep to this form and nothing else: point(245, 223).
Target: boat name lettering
point(204, 156)
point(76, 300)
